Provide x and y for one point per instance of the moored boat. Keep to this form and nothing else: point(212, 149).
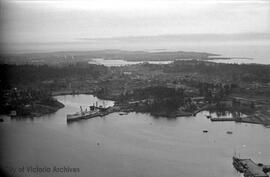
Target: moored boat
point(87, 114)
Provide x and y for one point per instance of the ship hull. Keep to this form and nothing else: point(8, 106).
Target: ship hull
point(87, 115)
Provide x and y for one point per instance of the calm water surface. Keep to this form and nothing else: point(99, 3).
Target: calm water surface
point(259, 50)
point(131, 145)
point(101, 61)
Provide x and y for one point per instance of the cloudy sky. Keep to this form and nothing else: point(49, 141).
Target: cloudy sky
point(69, 20)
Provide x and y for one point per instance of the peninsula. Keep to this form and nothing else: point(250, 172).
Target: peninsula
point(181, 88)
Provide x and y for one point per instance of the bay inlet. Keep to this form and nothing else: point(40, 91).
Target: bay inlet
point(135, 144)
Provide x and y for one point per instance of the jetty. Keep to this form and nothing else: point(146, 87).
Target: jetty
point(249, 168)
point(253, 119)
point(222, 119)
point(257, 118)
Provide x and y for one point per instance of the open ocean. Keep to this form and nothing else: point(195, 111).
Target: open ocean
point(258, 51)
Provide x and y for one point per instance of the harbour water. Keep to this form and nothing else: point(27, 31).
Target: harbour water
point(128, 145)
point(119, 62)
point(101, 61)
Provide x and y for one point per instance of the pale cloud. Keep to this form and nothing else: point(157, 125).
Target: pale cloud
point(66, 20)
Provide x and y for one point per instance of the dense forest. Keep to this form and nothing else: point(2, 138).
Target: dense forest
point(158, 89)
point(158, 92)
point(27, 102)
point(13, 75)
point(59, 58)
point(156, 99)
point(235, 72)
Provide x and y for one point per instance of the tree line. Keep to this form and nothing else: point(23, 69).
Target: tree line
point(234, 72)
point(14, 75)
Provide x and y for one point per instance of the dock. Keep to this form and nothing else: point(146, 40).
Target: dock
point(250, 168)
point(222, 119)
point(256, 119)
point(253, 119)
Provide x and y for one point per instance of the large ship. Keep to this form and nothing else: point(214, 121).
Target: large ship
point(93, 111)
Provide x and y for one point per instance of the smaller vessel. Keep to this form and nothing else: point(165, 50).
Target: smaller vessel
point(205, 131)
point(229, 132)
point(123, 113)
point(13, 113)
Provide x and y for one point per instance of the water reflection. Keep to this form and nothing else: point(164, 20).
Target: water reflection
point(78, 122)
point(167, 118)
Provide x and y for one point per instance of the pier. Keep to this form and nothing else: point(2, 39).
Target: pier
point(250, 168)
point(222, 119)
point(253, 119)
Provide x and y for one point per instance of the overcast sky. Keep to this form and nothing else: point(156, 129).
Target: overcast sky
point(69, 20)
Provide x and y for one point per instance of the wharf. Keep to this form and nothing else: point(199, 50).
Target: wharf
point(253, 119)
point(222, 119)
point(256, 119)
point(250, 168)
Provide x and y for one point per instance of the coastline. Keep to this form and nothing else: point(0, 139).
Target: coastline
point(42, 109)
point(39, 109)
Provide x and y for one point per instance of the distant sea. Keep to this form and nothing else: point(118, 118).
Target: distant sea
point(257, 50)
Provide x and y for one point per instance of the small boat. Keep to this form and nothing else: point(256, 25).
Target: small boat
point(123, 113)
point(229, 132)
point(13, 113)
point(208, 117)
point(205, 131)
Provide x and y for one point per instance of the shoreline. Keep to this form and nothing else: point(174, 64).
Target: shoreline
point(70, 92)
point(42, 109)
point(38, 110)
